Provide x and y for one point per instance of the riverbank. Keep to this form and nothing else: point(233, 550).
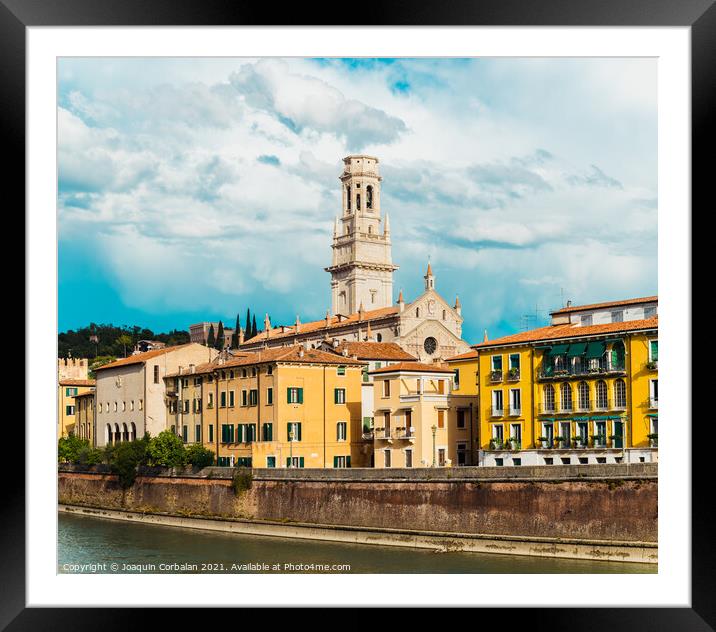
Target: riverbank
point(606, 513)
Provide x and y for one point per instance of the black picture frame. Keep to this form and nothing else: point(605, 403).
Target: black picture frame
point(700, 15)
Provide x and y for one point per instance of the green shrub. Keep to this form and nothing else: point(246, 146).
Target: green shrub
point(126, 457)
point(199, 456)
point(242, 480)
point(69, 448)
point(167, 450)
point(90, 456)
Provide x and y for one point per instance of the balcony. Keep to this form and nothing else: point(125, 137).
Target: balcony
point(513, 375)
point(382, 434)
point(368, 435)
point(495, 377)
point(404, 433)
point(652, 365)
point(515, 412)
point(497, 412)
point(547, 408)
point(653, 403)
point(571, 372)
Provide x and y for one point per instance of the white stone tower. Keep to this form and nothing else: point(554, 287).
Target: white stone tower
point(362, 268)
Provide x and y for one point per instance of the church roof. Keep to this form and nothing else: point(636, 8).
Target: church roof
point(374, 351)
point(332, 322)
point(413, 367)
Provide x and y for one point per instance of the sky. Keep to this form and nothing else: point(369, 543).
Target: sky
point(193, 189)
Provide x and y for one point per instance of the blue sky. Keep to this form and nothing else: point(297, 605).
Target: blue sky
point(191, 189)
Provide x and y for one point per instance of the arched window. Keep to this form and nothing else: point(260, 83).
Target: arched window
point(348, 195)
point(583, 393)
point(369, 197)
point(619, 394)
point(108, 434)
point(601, 395)
point(417, 312)
point(565, 393)
point(548, 398)
point(125, 433)
point(358, 202)
point(117, 434)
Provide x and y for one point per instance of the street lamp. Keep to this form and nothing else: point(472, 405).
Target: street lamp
point(434, 429)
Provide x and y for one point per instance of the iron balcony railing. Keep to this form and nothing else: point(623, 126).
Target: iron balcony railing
point(582, 407)
point(495, 376)
point(593, 370)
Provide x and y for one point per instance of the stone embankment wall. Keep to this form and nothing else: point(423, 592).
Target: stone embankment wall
point(616, 503)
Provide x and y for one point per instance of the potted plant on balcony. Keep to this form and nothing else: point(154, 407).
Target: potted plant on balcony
point(599, 441)
point(513, 374)
point(542, 442)
point(574, 441)
point(558, 440)
point(653, 440)
point(653, 365)
point(496, 376)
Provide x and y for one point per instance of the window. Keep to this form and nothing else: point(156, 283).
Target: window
point(185, 433)
point(341, 461)
point(497, 403)
point(156, 374)
point(456, 379)
point(115, 407)
point(386, 457)
point(498, 435)
point(653, 393)
point(185, 408)
point(293, 431)
point(185, 383)
point(601, 395)
point(341, 370)
point(586, 321)
point(515, 401)
point(565, 395)
point(619, 393)
point(295, 395)
point(211, 433)
point(516, 435)
point(496, 363)
point(499, 462)
point(267, 432)
point(222, 399)
point(441, 457)
point(386, 388)
point(515, 361)
point(269, 396)
point(600, 434)
point(131, 405)
point(565, 431)
point(460, 418)
point(141, 404)
point(548, 434)
point(269, 370)
point(100, 407)
point(296, 461)
point(583, 395)
point(366, 377)
point(210, 400)
point(379, 337)
point(441, 419)
point(231, 399)
point(653, 350)
point(270, 461)
point(649, 312)
point(253, 397)
point(618, 316)
point(582, 433)
point(69, 410)
point(517, 461)
point(339, 396)
point(244, 398)
point(227, 433)
point(369, 197)
point(341, 431)
point(408, 458)
point(197, 433)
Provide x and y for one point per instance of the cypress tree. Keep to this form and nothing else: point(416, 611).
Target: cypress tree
point(211, 340)
point(247, 328)
point(254, 331)
point(235, 343)
point(220, 338)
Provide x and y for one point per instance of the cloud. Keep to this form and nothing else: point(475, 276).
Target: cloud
point(304, 102)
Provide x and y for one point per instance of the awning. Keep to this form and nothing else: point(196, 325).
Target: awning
point(559, 349)
point(652, 415)
point(611, 341)
point(548, 419)
point(543, 348)
point(580, 419)
point(600, 418)
point(576, 349)
point(595, 349)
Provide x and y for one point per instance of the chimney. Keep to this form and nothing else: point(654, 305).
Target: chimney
point(361, 311)
point(569, 303)
point(484, 339)
point(267, 326)
point(192, 368)
point(328, 318)
point(181, 370)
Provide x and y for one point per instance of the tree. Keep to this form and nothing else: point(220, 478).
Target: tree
point(254, 330)
point(199, 456)
point(167, 450)
point(211, 340)
point(220, 338)
point(69, 448)
point(247, 328)
point(235, 341)
point(124, 340)
point(126, 457)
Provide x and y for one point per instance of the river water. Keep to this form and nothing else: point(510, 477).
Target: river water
point(89, 544)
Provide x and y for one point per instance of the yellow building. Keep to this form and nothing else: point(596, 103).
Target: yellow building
point(464, 409)
point(67, 390)
point(582, 390)
point(84, 416)
point(280, 407)
point(416, 422)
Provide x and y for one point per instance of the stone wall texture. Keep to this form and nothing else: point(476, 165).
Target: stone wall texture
point(612, 507)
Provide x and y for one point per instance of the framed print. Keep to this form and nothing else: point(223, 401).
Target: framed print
point(359, 314)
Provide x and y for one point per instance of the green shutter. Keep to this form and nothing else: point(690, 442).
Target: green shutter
point(300, 396)
point(299, 431)
point(300, 461)
point(288, 395)
point(288, 432)
point(654, 350)
point(288, 461)
point(335, 461)
point(348, 461)
point(240, 433)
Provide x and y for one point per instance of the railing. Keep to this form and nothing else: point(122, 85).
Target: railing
point(498, 412)
point(495, 376)
point(515, 412)
point(404, 433)
point(603, 368)
point(653, 402)
point(513, 375)
point(545, 409)
point(652, 365)
point(382, 433)
point(367, 436)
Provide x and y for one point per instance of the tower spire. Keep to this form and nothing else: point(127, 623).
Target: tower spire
point(429, 278)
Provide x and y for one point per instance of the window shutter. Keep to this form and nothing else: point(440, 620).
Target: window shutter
point(288, 395)
point(300, 460)
point(335, 395)
point(348, 461)
point(288, 461)
point(240, 433)
point(300, 396)
point(299, 431)
point(335, 461)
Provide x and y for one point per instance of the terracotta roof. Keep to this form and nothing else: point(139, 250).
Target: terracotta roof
point(275, 354)
point(631, 301)
point(468, 355)
point(333, 323)
point(556, 332)
point(413, 367)
point(140, 358)
point(72, 382)
point(374, 351)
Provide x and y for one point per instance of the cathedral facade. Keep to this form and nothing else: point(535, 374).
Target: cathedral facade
point(363, 308)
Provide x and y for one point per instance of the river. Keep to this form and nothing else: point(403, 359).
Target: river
point(88, 544)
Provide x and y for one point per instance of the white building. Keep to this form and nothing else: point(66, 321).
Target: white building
point(130, 393)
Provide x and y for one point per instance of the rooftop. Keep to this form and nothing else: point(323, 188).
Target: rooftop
point(556, 332)
point(329, 323)
point(74, 382)
point(468, 355)
point(413, 367)
point(374, 351)
point(631, 301)
point(140, 358)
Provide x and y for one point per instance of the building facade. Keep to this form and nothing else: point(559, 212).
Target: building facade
point(417, 423)
point(581, 390)
point(84, 416)
point(131, 391)
point(280, 407)
point(67, 391)
point(199, 333)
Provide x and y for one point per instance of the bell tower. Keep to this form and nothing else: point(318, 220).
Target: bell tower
point(362, 267)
